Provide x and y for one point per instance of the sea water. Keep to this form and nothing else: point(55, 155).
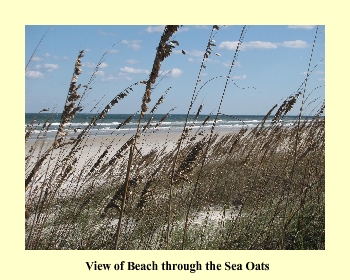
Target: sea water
point(46, 124)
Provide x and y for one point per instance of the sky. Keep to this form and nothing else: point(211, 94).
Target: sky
point(271, 65)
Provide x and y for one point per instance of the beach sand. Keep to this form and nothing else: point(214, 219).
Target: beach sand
point(88, 153)
point(93, 146)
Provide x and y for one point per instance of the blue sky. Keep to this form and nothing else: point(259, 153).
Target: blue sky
point(271, 65)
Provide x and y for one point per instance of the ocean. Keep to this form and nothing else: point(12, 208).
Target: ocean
point(110, 125)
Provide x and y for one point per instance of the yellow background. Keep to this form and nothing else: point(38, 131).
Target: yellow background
point(16, 263)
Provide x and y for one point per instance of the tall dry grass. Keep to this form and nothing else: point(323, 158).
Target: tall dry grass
point(260, 188)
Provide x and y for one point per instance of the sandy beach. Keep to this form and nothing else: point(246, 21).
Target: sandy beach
point(94, 152)
point(93, 146)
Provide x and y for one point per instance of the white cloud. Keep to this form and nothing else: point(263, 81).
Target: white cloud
point(308, 27)
point(36, 58)
point(239, 77)
point(65, 57)
point(259, 45)
point(176, 72)
point(232, 45)
point(34, 75)
point(297, 44)
point(109, 79)
point(133, 70)
point(47, 55)
point(47, 67)
point(158, 28)
point(177, 51)
point(133, 44)
point(93, 65)
point(132, 61)
point(173, 73)
point(51, 67)
point(135, 47)
point(100, 73)
point(103, 65)
point(119, 77)
point(248, 45)
point(196, 53)
point(228, 45)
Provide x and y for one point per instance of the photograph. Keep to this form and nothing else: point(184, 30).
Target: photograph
point(175, 137)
